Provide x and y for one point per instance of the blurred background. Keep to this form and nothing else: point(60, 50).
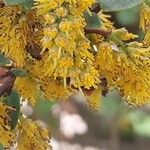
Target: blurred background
point(116, 126)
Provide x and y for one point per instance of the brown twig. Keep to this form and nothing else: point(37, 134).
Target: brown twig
point(97, 31)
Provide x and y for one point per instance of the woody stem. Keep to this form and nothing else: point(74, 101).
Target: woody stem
point(97, 31)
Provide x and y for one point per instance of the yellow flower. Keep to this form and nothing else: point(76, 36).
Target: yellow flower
point(61, 12)
point(67, 48)
point(50, 32)
point(90, 78)
point(55, 90)
point(32, 137)
point(94, 99)
point(43, 6)
point(6, 134)
point(79, 6)
point(64, 25)
point(123, 34)
point(140, 56)
point(128, 73)
point(82, 53)
point(106, 24)
point(147, 37)
point(46, 66)
point(63, 67)
point(96, 38)
point(27, 88)
point(12, 35)
point(60, 41)
point(49, 19)
point(105, 64)
point(144, 17)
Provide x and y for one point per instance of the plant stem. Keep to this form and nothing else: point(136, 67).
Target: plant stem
point(97, 31)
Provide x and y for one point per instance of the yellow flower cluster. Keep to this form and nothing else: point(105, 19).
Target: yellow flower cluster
point(54, 89)
point(60, 54)
point(94, 99)
point(31, 136)
point(12, 36)
point(127, 71)
point(66, 54)
point(106, 23)
point(124, 35)
point(145, 22)
point(28, 89)
point(6, 134)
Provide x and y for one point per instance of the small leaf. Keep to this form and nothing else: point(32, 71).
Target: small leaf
point(112, 104)
point(128, 17)
point(147, 2)
point(92, 21)
point(117, 5)
point(1, 147)
point(19, 72)
point(13, 100)
point(3, 60)
point(27, 4)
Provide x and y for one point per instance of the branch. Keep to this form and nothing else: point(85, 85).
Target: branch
point(98, 31)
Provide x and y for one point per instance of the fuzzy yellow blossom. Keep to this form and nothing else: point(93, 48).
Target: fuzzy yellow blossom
point(106, 23)
point(90, 78)
point(96, 39)
point(94, 99)
point(67, 40)
point(144, 16)
point(32, 136)
point(140, 56)
point(54, 89)
point(49, 19)
point(123, 34)
point(51, 32)
point(127, 73)
point(147, 37)
point(105, 64)
point(61, 12)
point(43, 7)
point(27, 87)
point(62, 69)
point(64, 26)
point(46, 66)
point(52, 43)
point(6, 134)
point(80, 6)
point(12, 35)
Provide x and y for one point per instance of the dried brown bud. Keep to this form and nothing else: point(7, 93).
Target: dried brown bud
point(6, 81)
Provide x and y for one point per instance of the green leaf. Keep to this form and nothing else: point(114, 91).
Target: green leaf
point(117, 5)
point(43, 110)
point(3, 60)
point(1, 147)
point(112, 104)
point(128, 17)
point(147, 2)
point(27, 4)
point(13, 100)
point(92, 21)
point(140, 121)
point(19, 72)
